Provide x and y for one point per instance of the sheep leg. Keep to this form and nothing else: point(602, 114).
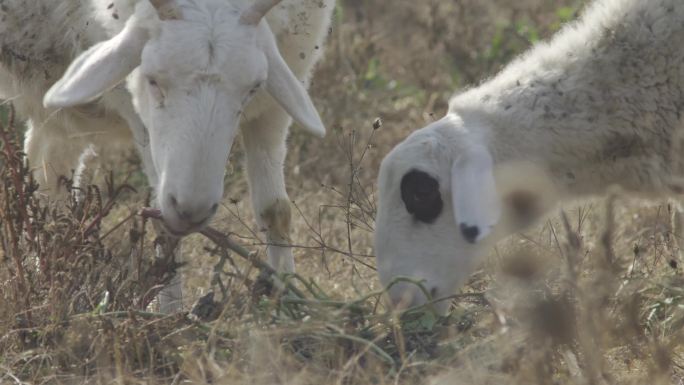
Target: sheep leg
point(52, 155)
point(171, 296)
point(167, 250)
point(264, 140)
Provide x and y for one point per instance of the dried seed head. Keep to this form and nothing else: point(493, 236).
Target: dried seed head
point(377, 123)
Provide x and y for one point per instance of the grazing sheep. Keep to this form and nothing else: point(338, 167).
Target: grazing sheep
point(175, 78)
point(597, 106)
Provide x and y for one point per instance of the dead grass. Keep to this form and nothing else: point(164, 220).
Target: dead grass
point(593, 296)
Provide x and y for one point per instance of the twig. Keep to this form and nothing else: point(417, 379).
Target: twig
point(224, 241)
point(121, 223)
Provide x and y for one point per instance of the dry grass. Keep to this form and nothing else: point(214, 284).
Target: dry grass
point(593, 296)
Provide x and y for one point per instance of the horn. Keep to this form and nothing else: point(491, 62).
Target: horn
point(166, 9)
point(254, 14)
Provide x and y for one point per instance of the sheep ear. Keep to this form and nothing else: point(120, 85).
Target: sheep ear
point(103, 66)
point(288, 91)
point(474, 196)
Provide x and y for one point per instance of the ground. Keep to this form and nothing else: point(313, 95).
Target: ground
point(592, 296)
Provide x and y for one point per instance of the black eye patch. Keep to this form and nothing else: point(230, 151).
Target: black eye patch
point(421, 196)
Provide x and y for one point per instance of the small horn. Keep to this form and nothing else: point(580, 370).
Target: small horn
point(166, 9)
point(254, 14)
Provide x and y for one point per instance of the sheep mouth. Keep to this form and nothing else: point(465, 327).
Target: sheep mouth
point(192, 228)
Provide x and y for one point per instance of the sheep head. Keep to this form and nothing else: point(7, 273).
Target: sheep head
point(191, 71)
point(442, 202)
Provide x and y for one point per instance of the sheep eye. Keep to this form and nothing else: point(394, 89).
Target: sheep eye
point(421, 196)
point(156, 91)
point(250, 93)
point(255, 89)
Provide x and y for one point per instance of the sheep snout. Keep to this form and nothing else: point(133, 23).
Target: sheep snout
point(184, 216)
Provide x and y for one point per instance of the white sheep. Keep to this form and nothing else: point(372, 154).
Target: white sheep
point(175, 77)
point(597, 106)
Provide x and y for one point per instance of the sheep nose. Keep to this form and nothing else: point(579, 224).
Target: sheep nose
point(193, 213)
